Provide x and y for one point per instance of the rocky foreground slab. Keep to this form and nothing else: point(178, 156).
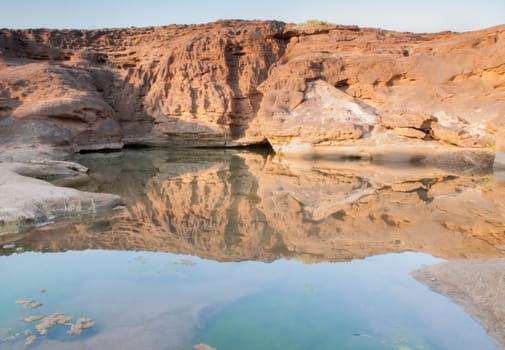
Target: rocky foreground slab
point(27, 200)
point(476, 285)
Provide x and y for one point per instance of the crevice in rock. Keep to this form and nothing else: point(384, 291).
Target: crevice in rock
point(398, 79)
point(343, 85)
point(233, 54)
point(137, 145)
point(263, 146)
point(101, 150)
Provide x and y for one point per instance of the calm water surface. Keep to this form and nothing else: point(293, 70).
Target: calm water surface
point(240, 250)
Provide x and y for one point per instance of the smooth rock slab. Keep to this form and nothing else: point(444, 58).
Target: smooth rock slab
point(477, 285)
point(26, 201)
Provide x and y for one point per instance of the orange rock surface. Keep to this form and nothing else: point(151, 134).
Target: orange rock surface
point(306, 90)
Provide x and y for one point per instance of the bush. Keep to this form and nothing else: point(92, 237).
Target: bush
point(314, 23)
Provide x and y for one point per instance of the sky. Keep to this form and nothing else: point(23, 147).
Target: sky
point(402, 15)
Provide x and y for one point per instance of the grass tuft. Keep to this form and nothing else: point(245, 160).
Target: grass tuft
point(314, 23)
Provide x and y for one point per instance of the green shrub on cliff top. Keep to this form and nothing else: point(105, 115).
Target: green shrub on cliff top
point(314, 23)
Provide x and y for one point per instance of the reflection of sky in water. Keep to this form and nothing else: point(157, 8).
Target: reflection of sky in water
point(236, 206)
point(160, 301)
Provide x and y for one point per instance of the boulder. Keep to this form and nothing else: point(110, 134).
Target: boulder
point(410, 132)
point(458, 131)
point(27, 202)
point(325, 116)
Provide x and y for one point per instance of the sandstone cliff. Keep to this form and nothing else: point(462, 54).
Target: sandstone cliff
point(323, 91)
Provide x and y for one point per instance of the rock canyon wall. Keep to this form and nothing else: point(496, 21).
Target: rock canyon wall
point(328, 91)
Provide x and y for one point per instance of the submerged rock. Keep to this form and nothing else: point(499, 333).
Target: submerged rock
point(184, 262)
point(31, 318)
point(46, 322)
point(35, 305)
point(29, 304)
point(203, 347)
point(30, 339)
point(4, 332)
point(50, 321)
point(82, 323)
point(11, 337)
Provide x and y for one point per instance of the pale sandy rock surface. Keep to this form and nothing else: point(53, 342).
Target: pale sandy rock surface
point(27, 201)
point(477, 285)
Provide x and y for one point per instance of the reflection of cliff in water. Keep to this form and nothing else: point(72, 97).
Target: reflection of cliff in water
point(230, 205)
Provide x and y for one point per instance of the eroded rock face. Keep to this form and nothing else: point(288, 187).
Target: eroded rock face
point(325, 116)
point(305, 91)
point(47, 103)
point(230, 206)
point(406, 80)
point(166, 85)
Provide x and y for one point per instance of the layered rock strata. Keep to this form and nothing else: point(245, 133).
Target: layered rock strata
point(331, 91)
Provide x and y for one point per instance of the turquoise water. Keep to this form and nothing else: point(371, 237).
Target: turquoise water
point(368, 304)
point(239, 250)
point(166, 301)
